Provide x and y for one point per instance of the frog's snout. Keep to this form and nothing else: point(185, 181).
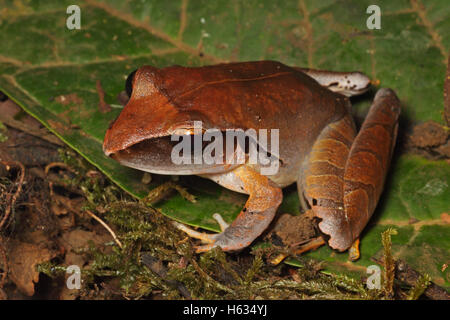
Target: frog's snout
point(112, 141)
point(107, 150)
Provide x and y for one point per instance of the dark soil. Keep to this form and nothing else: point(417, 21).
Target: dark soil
point(430, 139)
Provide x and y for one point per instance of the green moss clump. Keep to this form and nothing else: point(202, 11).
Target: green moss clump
point(156, 259)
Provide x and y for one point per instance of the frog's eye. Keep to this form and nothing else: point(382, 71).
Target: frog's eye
point(183, 132)
point(129, 83)
point(187, 131)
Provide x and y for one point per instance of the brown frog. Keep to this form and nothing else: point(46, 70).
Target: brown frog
point(339, 172)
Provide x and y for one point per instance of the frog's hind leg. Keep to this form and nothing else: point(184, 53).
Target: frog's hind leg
point(255, 217)
point(346, 83)
point(304, 206)
point(344, 175)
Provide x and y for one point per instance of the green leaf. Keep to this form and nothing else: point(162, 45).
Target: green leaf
point(420, 218)
point(52, 73)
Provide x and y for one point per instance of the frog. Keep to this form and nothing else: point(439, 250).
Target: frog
point(339, 171)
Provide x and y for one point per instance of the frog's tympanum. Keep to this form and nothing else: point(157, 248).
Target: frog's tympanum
point(339, 172)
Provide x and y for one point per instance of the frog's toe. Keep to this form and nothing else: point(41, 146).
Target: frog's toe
point(204, 237)
point(225, 240)
point(208, 238)
point(353, 251)
point(223, 225)
point(204, 248)
point(228, 240)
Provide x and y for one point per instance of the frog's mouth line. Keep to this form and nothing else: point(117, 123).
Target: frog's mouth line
point(155, 156)
point(164, 156)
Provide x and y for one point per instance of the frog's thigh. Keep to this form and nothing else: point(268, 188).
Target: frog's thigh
point(323, 180)
point(258, 212)
point(344, 175)
point(304, 206)
point(346, 83)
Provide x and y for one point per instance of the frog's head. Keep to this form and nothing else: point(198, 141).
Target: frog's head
point(141, 136)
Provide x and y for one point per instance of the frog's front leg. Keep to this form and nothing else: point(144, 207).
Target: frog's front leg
point(255, 217)
point(344, 175)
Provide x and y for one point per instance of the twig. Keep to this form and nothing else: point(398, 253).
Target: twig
point(209, 278)
point(12, 200)
point(156, 266)
point(406, 274)
point(447, 94)
point(57, 164)
point(162, 190)
point(106, 227)
point(5, 265)
point(102, 105)
point(410, 276)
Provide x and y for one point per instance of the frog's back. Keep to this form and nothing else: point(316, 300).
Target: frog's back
point(259, 95)
point(262, 94)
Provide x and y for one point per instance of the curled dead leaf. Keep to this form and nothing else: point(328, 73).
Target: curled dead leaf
point(23, 258)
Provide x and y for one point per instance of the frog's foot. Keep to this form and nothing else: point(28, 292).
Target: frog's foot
point(223, 225)
point(311, 245)
point(209, 238)
point(353, 251)
point(204, 237)
point(255, 217)
point(347, 83)
point(230, 239)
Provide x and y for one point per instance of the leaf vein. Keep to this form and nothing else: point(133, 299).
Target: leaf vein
point(421, 11)
point(152, 30)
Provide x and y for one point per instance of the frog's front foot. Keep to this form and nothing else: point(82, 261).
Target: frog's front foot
point(224, 239)
point(255, 217)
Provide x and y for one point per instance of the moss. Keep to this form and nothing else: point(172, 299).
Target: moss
point(389, 263)
point(176, 272)
point(419, 288)
point(3, 131)
point(51, 269)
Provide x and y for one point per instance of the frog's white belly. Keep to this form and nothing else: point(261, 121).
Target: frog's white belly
point(232, 182)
